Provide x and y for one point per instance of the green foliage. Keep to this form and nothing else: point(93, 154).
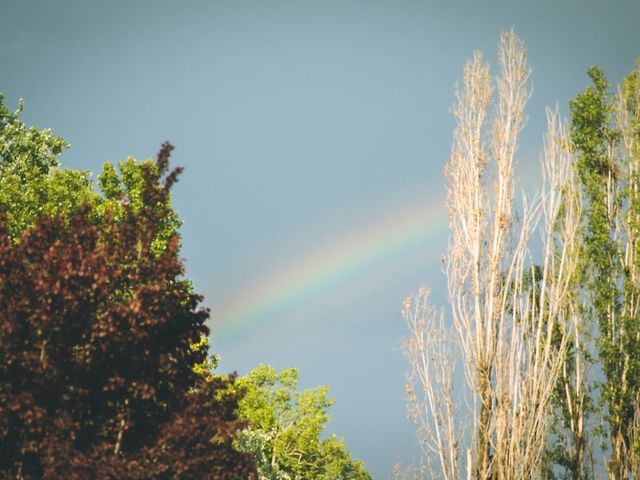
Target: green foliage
point(285, 426)
point(32, 183)
point(590, 126)
point(591, 136)
point(19, 144)
point(607, 168)
point(210, 361)
point(125, 186)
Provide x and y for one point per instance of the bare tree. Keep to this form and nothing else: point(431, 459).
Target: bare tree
point(429, 390)
point(509, 315)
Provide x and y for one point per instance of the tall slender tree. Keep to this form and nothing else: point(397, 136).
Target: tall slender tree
point(605, 133)
point(509, 316)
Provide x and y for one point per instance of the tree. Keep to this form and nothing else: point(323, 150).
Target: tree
point(605, 134)
point(100, 332)
point(285, 427)
point(511, 317)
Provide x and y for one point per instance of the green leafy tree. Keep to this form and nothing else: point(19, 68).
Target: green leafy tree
point(285, 427)
point(605, 134)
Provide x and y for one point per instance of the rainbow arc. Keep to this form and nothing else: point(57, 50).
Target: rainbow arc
point(328, 265)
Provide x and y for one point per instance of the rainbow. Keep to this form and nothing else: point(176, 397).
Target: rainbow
point(329, 265)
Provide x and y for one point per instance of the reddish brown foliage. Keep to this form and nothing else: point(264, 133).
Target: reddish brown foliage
point(95, 365)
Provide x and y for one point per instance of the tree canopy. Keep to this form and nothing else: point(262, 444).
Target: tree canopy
point(98, 326)
point(285, 427)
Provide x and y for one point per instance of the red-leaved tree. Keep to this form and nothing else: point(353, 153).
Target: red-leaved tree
point(96, 356)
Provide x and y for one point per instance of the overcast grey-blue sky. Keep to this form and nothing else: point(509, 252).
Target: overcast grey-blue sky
point(303, 125)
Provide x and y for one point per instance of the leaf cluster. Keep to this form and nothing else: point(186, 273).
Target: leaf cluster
point(285, 427)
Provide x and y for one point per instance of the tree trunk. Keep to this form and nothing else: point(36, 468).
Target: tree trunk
point(484, 432)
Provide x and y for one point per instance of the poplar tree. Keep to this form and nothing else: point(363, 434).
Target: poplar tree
point(605, 134)
point(511, 319)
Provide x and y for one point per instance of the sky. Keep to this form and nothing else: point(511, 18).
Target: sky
point(313, 136)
